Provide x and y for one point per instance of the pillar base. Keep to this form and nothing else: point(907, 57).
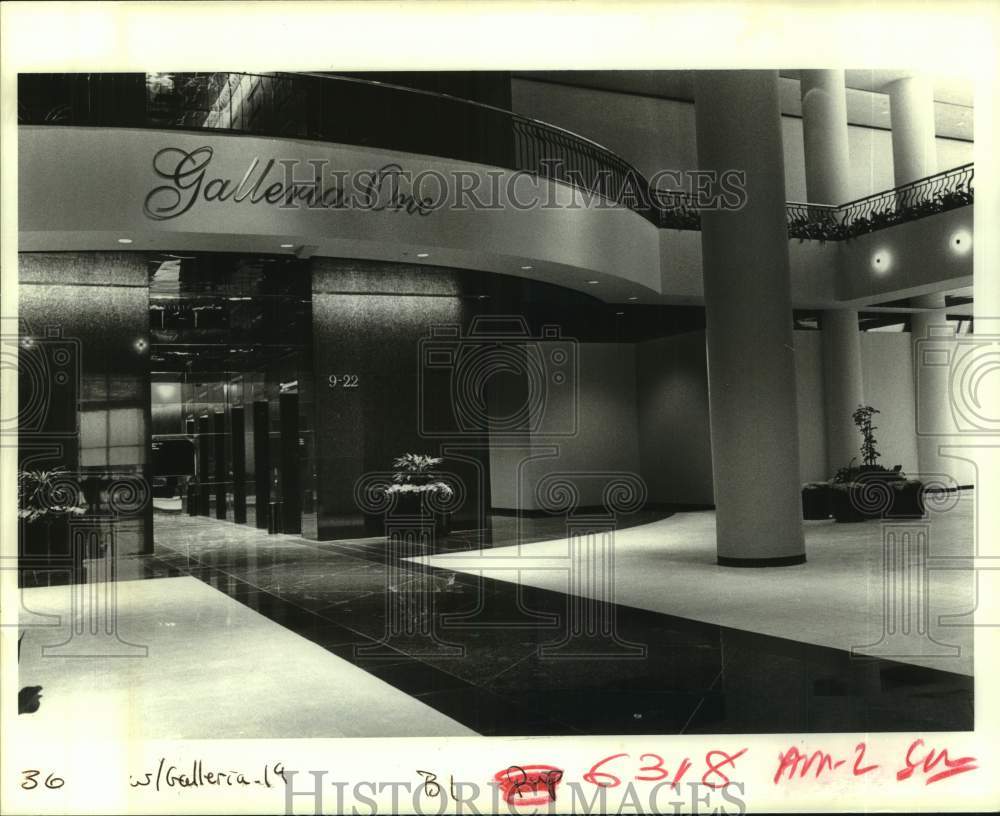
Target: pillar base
point(780, 561)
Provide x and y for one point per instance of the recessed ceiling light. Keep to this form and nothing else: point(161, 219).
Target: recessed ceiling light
point(593, 282)
point(124, 240)
point(287, 246)
point(423, 254)
point(526, 268)
point(633, 298)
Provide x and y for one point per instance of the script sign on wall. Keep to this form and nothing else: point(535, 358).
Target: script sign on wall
point(287, 183)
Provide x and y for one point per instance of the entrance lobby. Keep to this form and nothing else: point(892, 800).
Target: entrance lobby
point(564, 451)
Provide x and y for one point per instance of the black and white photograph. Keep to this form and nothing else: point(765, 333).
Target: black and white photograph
point(625, 433)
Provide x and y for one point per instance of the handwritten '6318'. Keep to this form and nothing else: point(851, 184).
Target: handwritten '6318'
point(654, 769)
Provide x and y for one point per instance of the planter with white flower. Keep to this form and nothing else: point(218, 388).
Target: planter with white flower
point(46, 502)
point(418, 491)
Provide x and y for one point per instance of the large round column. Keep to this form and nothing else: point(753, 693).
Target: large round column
point(751, 365)
point(911, 110)
point(824, 135)
point(934, 340)
point(827, 159)
point(843, 385)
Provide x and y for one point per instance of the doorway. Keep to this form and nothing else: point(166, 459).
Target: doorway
point(230, 391)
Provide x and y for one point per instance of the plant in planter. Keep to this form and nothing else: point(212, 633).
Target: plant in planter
point(46, 501)
point(417, 487)
point(869, 490)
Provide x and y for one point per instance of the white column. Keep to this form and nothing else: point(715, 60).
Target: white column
point(911, 109)
point(824, 133)
point(824, 130)
point(934, 345)
point(843, 385)
point(751, 365)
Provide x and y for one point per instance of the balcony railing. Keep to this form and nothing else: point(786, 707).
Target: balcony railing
point(393, 117)
point(947, 190)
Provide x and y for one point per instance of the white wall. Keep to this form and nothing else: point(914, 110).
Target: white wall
point(658, 134)
point(813, 464)
point(675, 443)
point(887, 359)
point(606, 440)
point(673, 418)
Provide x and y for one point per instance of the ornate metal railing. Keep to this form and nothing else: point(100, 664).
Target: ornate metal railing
point(927, 196)
point(813, 221)
point(313, 106)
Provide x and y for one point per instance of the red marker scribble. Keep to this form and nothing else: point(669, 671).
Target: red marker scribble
point(529, 784)
point(715, 767)
point(795, 761)
point(931, 760)
point(858, 769)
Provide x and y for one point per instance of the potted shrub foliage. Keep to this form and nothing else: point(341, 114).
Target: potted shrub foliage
point(870, 490)
point(419, 491)
point(46, 501)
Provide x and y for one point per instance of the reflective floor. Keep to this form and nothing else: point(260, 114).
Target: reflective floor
point(503, 658)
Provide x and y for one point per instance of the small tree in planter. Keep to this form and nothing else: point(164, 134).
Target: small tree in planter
point(46, 501)
point(415, 486)
point(862, 417)
point(869, 490)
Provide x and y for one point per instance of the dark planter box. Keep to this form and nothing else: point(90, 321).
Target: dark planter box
point(907, 500)
point(414, 505)
point(877, 496)
point(47, 557)
point(816, 501)
point(844, 504)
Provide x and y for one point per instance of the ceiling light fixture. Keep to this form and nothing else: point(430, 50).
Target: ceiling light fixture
point(124, 240)
point(633, 298)
point(423, 254)
point(593, 282)
point(526, 268)
point(287, 246)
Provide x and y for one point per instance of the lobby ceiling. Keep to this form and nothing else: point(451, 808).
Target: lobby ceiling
point(867, 100)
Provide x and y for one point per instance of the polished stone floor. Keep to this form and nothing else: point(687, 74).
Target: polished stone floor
point(504, 657)
point(836, 598)
point(255, 679)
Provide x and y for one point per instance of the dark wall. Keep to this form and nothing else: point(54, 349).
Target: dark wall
point(84, 359)
point(368, 324)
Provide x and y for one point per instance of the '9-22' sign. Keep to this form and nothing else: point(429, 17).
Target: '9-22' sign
point(343, 381)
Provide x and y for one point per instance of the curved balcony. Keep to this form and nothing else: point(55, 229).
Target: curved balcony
point(309, 106)
point(934, 194)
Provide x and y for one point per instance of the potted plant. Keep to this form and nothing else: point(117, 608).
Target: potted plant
point(46, 501)
point(870, 490)
point(418, 490)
